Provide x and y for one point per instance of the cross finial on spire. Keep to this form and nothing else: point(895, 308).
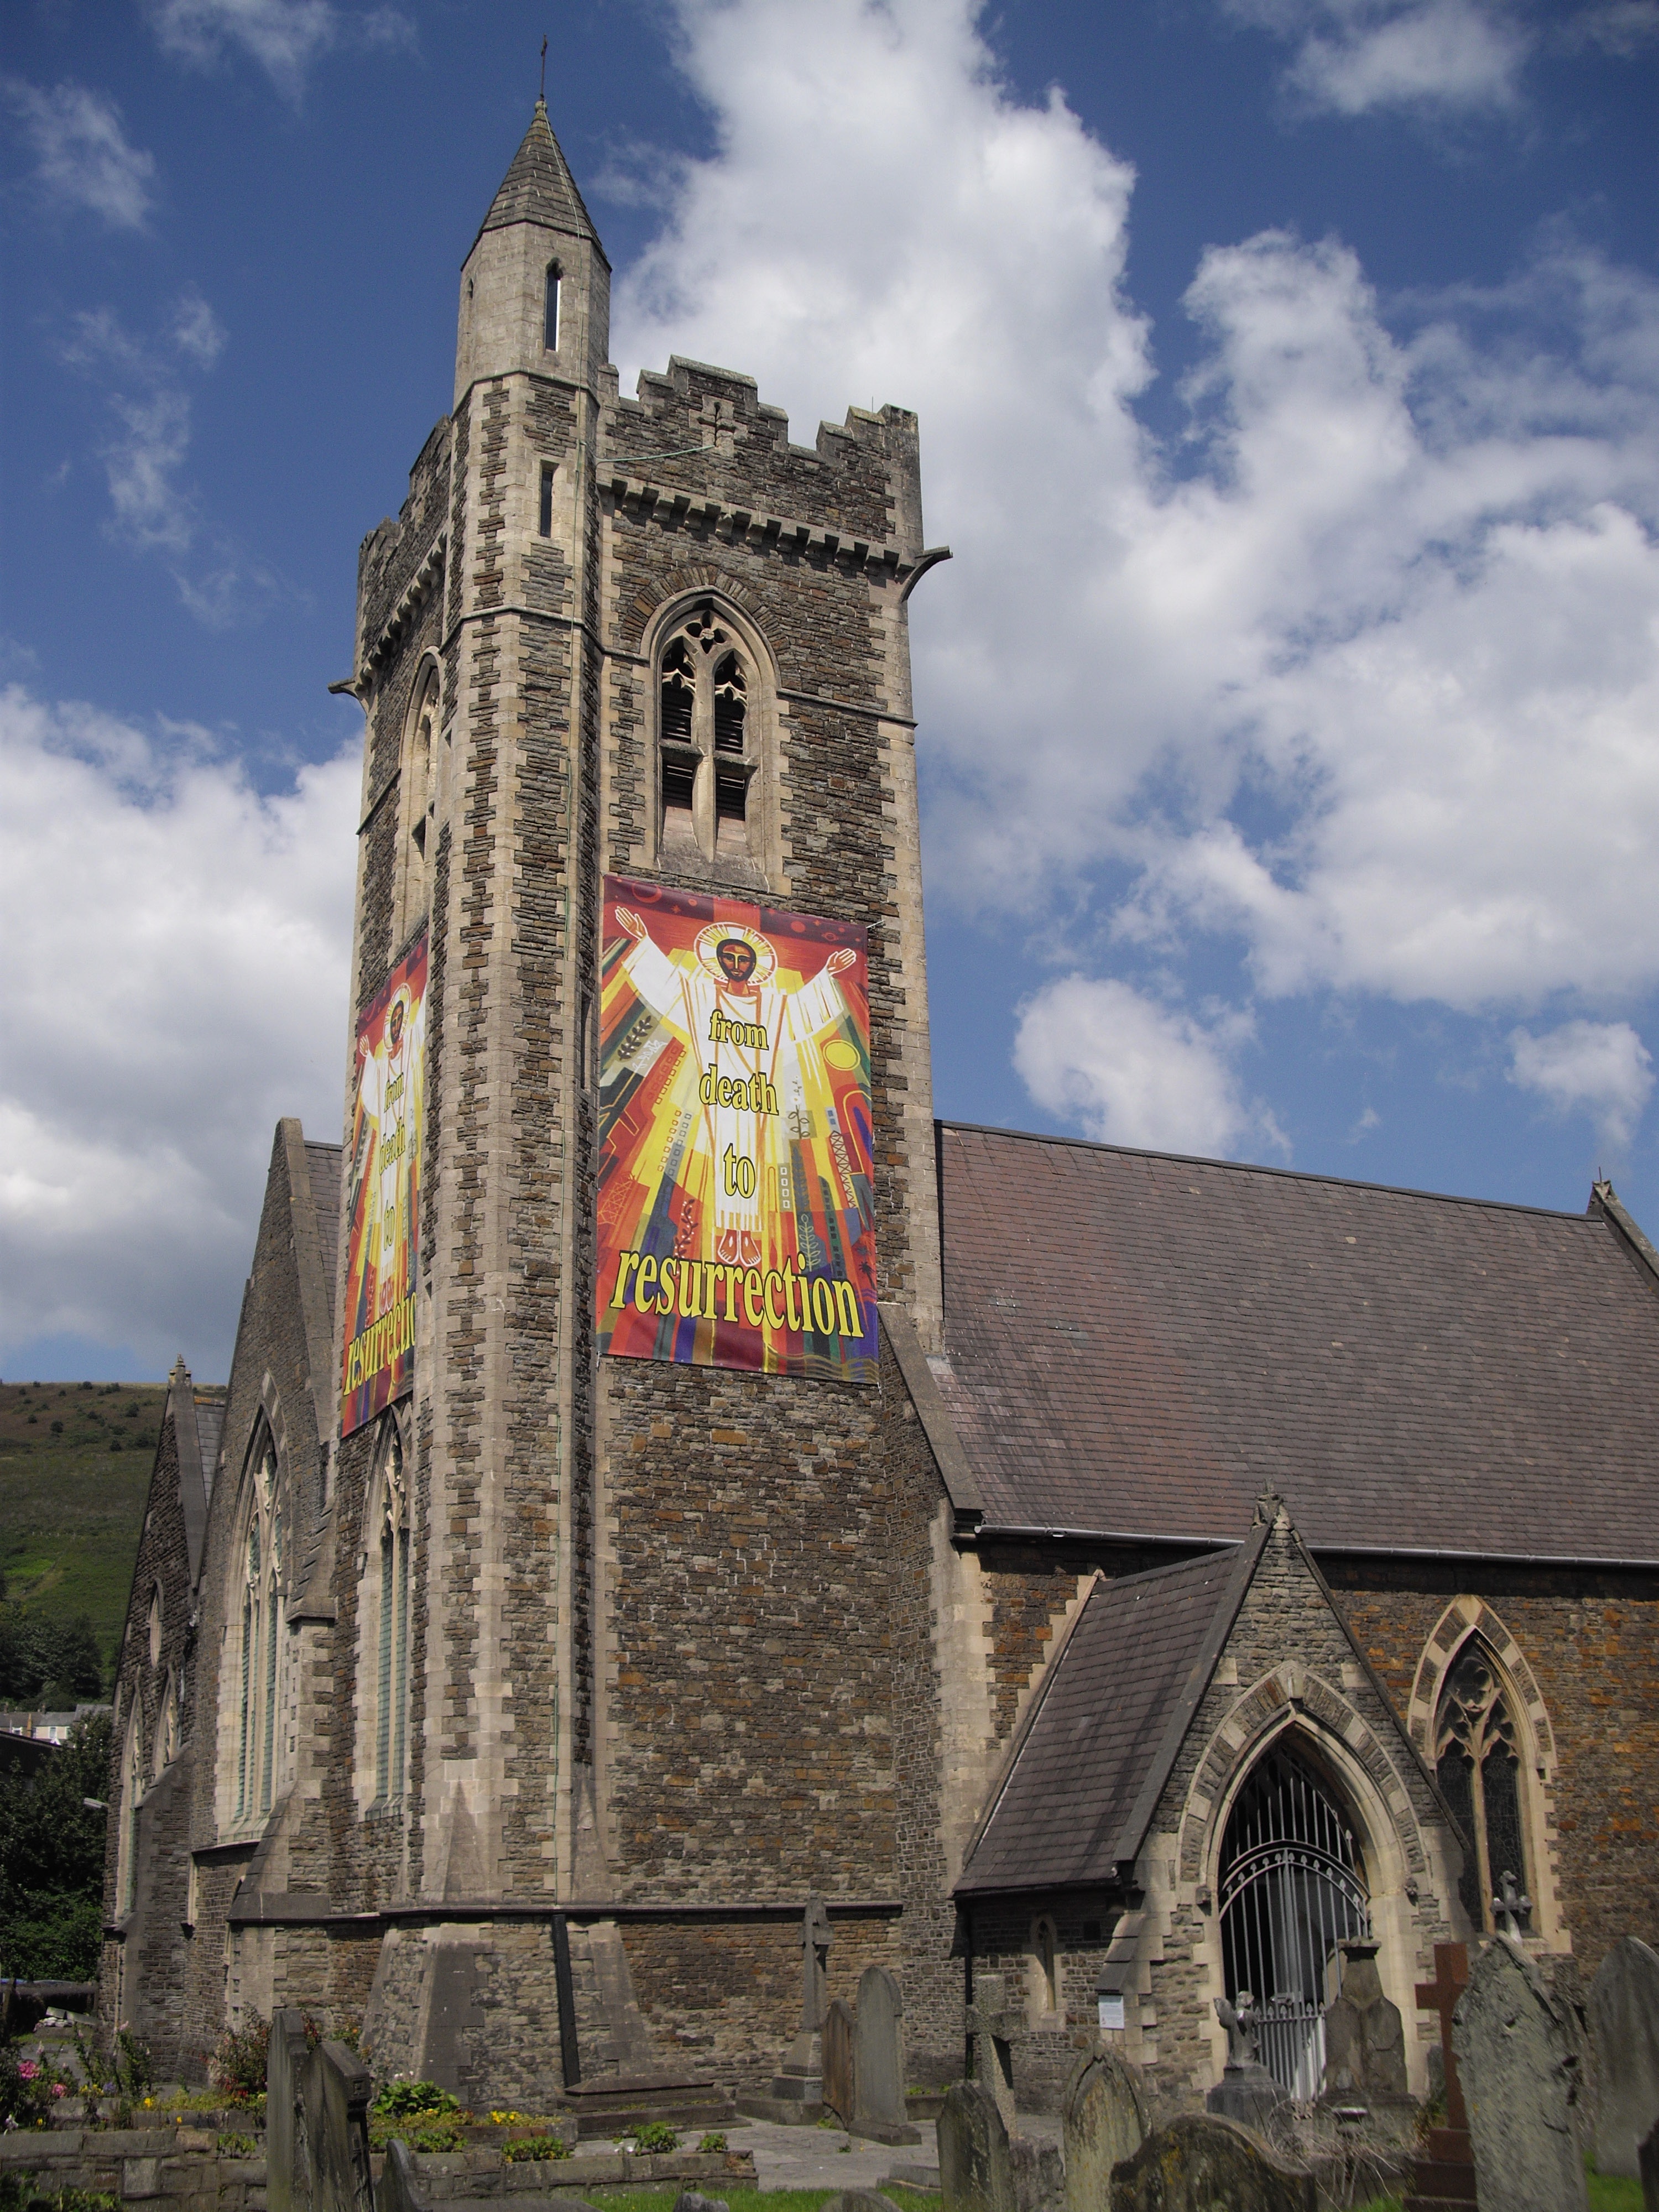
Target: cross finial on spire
point(542, 95)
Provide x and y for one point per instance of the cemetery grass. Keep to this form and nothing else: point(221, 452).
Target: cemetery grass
point(757, 2200)
point(1609, 2192)
point(71, 1507)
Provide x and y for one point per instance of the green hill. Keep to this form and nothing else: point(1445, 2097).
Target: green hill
point(74, 1468)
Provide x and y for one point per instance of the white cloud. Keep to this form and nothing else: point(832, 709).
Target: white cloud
point(1361, 676)
point(1130, 1071)
point(151, 509)
point(1601, 1068)
point(1621, 28)
point(284, 37)
point(1356, 55)
point(83, 158)
point(175, 981)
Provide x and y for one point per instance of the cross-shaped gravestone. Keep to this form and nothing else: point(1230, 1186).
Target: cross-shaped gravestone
point(814, 1965)
point(1509, 1906)
point(989, 2024)
point(1445, 2172)
point(1451, 1976)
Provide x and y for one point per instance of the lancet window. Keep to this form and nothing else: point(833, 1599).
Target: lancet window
point(1477, 1766)
point(260, 1567)
point(417, 805)
point(708, 750)
point(387, 1575)
point(552, 286)
point(133, 1796)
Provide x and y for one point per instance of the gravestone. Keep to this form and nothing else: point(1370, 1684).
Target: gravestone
point(989, 2023)
point(839, 2061)
point(1624, 2026)
point(1648, 2160)
point(878, 2060)
point(337, 2087)
point(1247, 2092)
point(1039, 2175)
point(1519, 2072)
point(1202, 2164)
point(288, 2150)
point(796, 2093)
point(1444, 2173)
point(975, 2173)
point(693, 2200)
point(1365, 2044)
point(1105, 2122)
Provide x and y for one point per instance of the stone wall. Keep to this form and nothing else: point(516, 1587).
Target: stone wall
point(165, 2169)
point(143, 1974)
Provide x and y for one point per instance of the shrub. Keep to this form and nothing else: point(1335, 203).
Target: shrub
point(231, 2145)
point(421, 2131)
point(655, 2135)
point(29, 2089)
point(239, 2063)
point(517, 2148)
point(711, 2143)
point(399, 2097)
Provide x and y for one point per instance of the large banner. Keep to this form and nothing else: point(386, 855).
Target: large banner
point(382, 1197)
point(736, 1226)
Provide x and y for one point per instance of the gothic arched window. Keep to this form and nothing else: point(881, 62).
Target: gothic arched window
point(259, 1567)
point(385, 1614)
point(133, 1796)
point(708, 753)
point(416, 806)
point(552, 285)
point(1477, 1763)
point(1045, 1959)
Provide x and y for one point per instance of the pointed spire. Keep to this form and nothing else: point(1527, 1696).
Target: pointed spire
point(539, 187)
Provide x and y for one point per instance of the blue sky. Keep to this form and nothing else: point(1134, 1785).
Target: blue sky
point(1290, 711)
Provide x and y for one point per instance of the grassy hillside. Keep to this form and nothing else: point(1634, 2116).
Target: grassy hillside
point(74, 1468)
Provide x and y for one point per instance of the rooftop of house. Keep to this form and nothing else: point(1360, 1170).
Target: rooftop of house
point(1136, 1344)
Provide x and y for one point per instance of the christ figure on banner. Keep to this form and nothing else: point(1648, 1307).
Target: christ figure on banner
point(746, 1032)
point(386, 1145)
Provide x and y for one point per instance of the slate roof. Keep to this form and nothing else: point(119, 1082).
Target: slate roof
point(1137, 1343)
point(538, 187)
point(1089, 1755)
point(323, 1162)
point(210, 1432)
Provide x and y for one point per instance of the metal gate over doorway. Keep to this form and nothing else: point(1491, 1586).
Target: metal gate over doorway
point(1292, 1889)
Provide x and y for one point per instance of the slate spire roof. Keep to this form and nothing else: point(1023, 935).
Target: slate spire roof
point(538, 187)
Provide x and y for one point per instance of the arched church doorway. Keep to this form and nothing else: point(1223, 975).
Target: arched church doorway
point(1292, 1888)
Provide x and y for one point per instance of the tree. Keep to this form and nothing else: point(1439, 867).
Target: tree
point(52, 1859)
point(47, 1661)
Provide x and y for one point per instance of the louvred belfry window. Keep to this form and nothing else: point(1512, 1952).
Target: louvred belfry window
point(707, 757)
point(1477, 1766)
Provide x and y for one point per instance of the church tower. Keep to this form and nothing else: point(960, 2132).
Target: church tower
point(603, 1606)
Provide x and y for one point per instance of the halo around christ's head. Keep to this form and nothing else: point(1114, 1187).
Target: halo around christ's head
point(717, 933)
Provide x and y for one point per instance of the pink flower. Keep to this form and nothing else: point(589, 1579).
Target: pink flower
point(27, 2070)
point(57, 2089)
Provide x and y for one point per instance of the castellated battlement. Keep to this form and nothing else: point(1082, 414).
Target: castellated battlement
point(707, 428)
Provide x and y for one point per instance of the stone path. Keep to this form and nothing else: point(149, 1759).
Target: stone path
point(814, 2158)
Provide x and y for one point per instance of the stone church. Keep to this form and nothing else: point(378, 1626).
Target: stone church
point(1171, 1570)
